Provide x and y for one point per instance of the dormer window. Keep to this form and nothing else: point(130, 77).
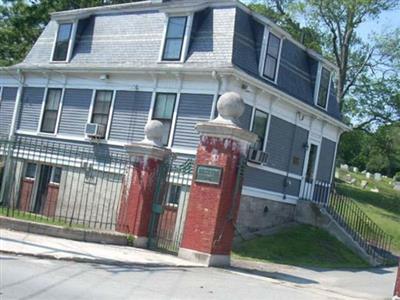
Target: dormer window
point(323, 87)
point(174, 38)
point(62, 42)
point(271, 51)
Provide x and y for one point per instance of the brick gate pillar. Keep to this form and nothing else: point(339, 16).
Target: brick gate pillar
point(140, 184)
point(216, 187)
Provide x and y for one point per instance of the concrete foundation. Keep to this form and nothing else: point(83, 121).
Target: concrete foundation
point(256, 214)
point(205, 259)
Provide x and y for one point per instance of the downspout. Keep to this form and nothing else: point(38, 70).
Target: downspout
point(216, 95)
point(10, 144)
point(17, 106)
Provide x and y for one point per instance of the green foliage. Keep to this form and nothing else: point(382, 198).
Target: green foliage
point(302, 246)
point(22, 21)
point(375, 152)
point(282, 13)
point(130, 240)
point(383, 207)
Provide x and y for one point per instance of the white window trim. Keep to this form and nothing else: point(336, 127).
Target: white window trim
point(90, 115)
point(174, 113)
point(53, 168)
point(253, 116)
point(186, 39)
point(264, 53)
point(1, 94)
point(71, 42)
point(318, 85)
point(39, 129)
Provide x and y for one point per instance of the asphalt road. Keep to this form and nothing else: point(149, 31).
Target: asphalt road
point(32, 278)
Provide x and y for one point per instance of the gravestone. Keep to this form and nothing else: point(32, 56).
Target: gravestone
point(368, 175)
point(364, 184)
point(337, 174)
point(355, 169)
point(344, 167)
point(397, 186)
point(377, 176)
point(364, 172)
point(375, 190)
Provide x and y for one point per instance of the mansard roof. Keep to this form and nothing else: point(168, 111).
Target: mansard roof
point(225, 35)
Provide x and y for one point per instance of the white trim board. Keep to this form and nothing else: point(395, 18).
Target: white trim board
point(268, 195)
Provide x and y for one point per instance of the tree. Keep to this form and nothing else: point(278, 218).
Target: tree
point(338, 21)
point(374, 99)
point(22, 21)
point(282, 12)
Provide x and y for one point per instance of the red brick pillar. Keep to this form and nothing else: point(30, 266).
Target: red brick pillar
point(396, 294)
point(216, 189)
point(140, 184)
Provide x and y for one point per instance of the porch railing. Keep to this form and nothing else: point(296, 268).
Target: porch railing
point(352, 219)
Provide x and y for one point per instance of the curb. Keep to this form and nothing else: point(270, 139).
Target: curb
point(98, 261)
point(76, 234)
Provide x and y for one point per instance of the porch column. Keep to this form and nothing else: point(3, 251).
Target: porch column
point(140, 183)
point(216, 185)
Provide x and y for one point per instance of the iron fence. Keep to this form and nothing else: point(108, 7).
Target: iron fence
point(352, 219)
point(62, 184)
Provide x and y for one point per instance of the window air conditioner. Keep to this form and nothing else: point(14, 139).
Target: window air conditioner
point(258, 156)
point(95, 130)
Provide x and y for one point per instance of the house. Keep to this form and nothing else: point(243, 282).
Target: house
point(96, 76)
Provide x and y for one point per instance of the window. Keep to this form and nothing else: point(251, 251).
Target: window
point(30, 171)
point(51, 108)
point(163, 111)
point(101, 107)
point(323, 90)
point(55, 175)
point(271, 57)
point(260, 127)
point(174, 38)
point(62, 42)
point(174, 194)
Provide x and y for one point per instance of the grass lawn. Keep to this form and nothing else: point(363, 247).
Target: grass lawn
point(27, 216)
point(383, 207)
point(302, 245)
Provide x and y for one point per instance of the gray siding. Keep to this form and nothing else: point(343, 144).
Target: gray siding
point(297, 69)
point(265, 180)
point(131, 110)
point(285, 146)
point(326, 157)
point(7, 105)
point(75, 111)
point(245, 119)
point(192, 109)
point(31, 106)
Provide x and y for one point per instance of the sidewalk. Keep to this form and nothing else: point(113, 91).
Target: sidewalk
point(369, 283)
point(14, 242)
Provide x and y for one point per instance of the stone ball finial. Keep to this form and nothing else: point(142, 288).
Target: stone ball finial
point(154, 131)
point(230, 107)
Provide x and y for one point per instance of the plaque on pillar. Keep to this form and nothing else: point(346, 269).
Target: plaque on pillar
point(208, 174)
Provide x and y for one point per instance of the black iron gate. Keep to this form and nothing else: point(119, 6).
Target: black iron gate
point(62, 184)
point(169, 206)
